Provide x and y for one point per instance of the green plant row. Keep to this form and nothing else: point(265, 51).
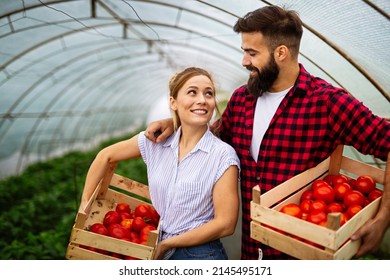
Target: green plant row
point(38, 208)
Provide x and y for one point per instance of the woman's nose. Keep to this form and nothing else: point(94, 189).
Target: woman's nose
point(201, 98)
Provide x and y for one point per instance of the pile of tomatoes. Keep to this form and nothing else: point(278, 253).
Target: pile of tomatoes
point(334, 194)
point(122, 223)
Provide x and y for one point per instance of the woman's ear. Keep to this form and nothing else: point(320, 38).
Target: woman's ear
point(172, 104)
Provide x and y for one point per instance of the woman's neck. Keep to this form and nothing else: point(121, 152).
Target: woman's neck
point(190, 136)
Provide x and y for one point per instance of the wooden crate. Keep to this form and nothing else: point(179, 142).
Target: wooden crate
point(331, 242)
point(105, 198)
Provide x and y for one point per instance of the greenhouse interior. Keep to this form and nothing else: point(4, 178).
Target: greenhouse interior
point(77, 75)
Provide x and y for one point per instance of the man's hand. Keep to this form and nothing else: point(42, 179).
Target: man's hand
point(371, 235)
point(158, 131)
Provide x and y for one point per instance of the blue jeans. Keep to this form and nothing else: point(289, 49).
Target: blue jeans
point(213, 250)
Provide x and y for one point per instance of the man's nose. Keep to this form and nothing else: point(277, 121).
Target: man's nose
point(246, 60)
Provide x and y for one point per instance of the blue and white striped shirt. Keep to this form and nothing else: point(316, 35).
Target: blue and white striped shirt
point(181, 191)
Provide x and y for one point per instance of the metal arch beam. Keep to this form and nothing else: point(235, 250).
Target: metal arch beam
point(378, 9)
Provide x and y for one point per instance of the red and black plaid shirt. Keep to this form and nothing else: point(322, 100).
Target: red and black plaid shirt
point(310, 122)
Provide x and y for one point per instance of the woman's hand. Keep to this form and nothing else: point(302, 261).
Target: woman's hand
point(160, 251)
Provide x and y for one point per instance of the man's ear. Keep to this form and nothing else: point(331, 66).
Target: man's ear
point(281, 52)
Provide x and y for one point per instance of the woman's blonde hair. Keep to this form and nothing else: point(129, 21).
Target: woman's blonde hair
point(178, 80)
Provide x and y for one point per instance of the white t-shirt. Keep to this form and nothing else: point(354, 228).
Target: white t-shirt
point(266, 106)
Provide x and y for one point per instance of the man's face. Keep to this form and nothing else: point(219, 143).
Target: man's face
point(260, 62)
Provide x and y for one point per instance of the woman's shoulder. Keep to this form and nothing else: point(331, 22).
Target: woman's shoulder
point(223, 146)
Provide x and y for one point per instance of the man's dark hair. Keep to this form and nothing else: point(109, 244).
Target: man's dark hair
point(278, 25)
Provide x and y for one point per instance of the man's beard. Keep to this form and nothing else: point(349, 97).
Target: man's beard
point(261, 83)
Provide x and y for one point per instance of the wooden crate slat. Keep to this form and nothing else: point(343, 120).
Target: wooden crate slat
point(111, 244)
point(130, 186)
point(292, 225)
point(274, 195)
point(74, 252)
point(359, 168)
point(288, 244)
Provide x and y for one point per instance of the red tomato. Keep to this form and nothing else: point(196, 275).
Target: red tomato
point(144, 233)
point(126, 223)
point(354, 197)
point(155, 216)
point(324, 193)
point(134, 234)
point(117, 231)
point(134, 237)
point(374, 194)
point(339, 178)
point(329, 179)
point(353, 209)
point(292, 209)
point(126, 239)
point(138, 224)
point(352, 182)
point(343, 219)
point(125, 215)
point(365, 184)
point(317, 206)
point(323, 223)
point(305, 205)
point(318, 183)
point(123, 207)
point(316, 217)
point(334, 207)
point(144, 211)
point(146, 229)
point(130, 258)
point(99, 228)
point(136, 240)
point(111, 217)
point(143, 242)
point(94, 249)
point(273, 228)
point(116, 255)
point(340, 190)
point(307, 194)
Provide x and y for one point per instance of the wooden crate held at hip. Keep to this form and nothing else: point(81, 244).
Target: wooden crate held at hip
point(106, 198)
point(302, 239)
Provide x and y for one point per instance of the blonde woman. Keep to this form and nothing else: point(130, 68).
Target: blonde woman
point(192, 176)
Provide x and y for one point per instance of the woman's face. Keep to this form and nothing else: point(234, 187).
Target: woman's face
point(195, 102)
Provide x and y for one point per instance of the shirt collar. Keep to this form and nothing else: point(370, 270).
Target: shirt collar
point(303, 81)
point(204, 143)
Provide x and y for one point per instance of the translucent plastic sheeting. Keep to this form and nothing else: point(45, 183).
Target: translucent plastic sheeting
point(76, 72)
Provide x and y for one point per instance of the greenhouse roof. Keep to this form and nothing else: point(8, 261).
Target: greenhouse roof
point(78, 71)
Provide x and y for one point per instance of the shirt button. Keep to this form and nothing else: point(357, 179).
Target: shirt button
point(258, 178)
